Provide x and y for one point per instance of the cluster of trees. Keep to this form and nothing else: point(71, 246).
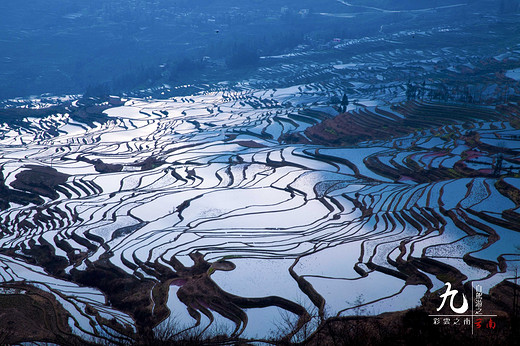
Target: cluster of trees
point(415, 91)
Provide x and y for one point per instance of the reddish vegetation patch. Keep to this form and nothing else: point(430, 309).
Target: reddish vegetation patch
point(377, 124)
point(472, 154)
point(178, 282)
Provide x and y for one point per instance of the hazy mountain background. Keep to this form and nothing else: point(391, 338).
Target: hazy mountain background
point(68, 46)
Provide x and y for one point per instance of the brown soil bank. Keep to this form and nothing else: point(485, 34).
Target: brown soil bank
point(28, 313)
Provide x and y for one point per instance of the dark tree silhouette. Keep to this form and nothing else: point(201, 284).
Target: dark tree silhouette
point(344, 103)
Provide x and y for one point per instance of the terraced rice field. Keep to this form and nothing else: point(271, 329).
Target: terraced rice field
point(194, 210)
